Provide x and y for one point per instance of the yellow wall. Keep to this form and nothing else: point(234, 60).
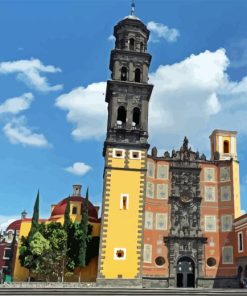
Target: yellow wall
point(122, 228)
point(20, 273)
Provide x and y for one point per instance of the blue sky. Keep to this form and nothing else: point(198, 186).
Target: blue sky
point(54, 58)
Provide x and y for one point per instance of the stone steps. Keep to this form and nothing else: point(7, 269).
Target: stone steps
point(120, 291)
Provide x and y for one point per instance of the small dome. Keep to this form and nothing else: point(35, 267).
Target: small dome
point(59, 209)
point(15, 225)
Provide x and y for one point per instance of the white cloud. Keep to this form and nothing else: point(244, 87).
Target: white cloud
point(194, 97)
point(78, 168)
point(29, 71)
point(18, 133)
point(111, 38)
point(17, 104)
point(86, 109)
point(160, 31)
point(6, 220)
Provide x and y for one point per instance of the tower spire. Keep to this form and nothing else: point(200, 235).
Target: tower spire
point(132, 12)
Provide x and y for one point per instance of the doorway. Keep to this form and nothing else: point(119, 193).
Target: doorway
point(185, 273)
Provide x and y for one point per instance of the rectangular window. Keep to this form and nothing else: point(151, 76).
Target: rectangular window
point(7, 253)
point(209, 175)
point(150, 190)
point(224, 174)
point(227, 255)
point(226, 223)
point(150, 169)
point(147, 254)
point(161, 221)
point(118, 153)
point(162, 172)
point(240, 242)
point(149, 220)
point(210, 223)
point(209, 193)
point(162, 191)
point(124, 202)
point(225, 193)
point(134, 154)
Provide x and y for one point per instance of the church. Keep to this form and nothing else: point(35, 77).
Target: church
point(170, 220)
point(167, 221)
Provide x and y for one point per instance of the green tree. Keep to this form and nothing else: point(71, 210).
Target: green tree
point(56, 259)
point(40, 249)
point(83, 234)
point(26, 257)
point(35, 219)
point(67, 220)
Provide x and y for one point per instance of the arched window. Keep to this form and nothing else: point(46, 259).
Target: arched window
point(132, 44)
point(141, 47)
point(121, 115)
point(226, 147)
point(136, 117)
point(137, 75)
point(124, 74)
point(74, 210)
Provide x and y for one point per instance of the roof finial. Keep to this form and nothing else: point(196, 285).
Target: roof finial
point(133, 7)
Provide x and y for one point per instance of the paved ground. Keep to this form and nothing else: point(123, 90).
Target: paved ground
point(121, 291)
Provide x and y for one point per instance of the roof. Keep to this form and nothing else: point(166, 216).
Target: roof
point(59, 209)
point(16, 225)
point(240, 217)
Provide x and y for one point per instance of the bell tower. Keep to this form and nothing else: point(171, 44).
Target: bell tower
point(125, 152)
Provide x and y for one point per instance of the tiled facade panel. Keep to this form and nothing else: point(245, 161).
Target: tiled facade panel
point(217, 215)
point(156, 206)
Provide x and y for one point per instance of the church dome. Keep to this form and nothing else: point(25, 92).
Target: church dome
point(59, 209)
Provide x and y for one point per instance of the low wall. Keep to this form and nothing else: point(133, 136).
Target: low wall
point(42, 285)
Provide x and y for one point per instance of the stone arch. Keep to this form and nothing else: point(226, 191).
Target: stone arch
point(226, 146)
point(124, 73)
point(136, 117)
point(121, 115)
point(137, 75)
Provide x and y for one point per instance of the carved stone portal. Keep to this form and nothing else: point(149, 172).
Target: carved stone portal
point(185, 237)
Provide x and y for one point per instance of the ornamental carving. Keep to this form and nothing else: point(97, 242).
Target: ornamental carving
point(185, 153)
point(185, 236)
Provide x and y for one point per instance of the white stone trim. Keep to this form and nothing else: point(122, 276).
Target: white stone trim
point(127, 201)
point(233, 146)
point(114, 151)
point(220, 144)
point(136, 151)
point(6, 258)
point(242, 239)
point(115, 254)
